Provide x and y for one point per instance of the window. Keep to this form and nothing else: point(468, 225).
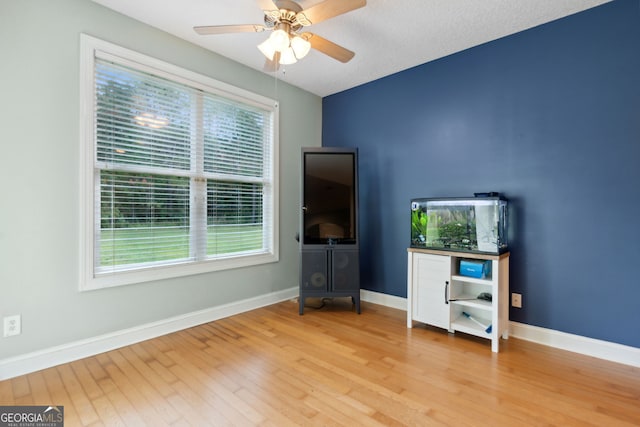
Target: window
point(179, 170)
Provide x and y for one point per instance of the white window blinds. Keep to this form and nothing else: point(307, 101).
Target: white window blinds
point(183, 173)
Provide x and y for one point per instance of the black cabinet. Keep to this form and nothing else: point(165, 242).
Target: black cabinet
point(330, 272)
point(329, 241)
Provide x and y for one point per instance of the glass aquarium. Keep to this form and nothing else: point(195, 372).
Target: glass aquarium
point(474, 224)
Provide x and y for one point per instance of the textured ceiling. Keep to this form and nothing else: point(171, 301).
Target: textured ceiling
point(387, 35)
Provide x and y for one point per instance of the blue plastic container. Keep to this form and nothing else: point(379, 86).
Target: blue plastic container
point(475, 268)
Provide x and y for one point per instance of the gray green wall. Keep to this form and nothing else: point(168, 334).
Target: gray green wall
point(39, 172)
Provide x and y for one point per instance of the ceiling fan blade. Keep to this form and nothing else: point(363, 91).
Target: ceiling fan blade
point(272, 65)
point(328, 48)
point(328, 9)
point(226, 29)
point(266, 4)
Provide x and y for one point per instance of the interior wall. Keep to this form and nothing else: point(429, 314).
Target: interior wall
point(550, 118)
point(40, 169)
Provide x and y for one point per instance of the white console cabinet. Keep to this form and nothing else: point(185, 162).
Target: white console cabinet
point(438, 295)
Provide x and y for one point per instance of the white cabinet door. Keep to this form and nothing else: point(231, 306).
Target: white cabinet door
point(430, 277)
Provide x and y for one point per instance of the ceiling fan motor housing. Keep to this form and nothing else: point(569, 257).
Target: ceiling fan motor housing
point(288, 5)
point(292, 19)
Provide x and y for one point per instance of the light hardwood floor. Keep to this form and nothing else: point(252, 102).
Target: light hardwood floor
point(332, 367)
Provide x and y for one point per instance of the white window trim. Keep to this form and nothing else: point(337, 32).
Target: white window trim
point(88, 281)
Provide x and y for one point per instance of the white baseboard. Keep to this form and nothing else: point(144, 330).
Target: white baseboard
point(42, 359)
point(576, 343)
point(384, 299)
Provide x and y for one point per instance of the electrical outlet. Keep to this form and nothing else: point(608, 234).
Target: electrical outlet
point(12, 325)
point(516, 300)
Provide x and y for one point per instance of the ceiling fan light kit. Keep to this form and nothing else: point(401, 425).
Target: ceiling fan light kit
point(286, 44)
point(280, 38)
point(291, 46)
point(267, 49)
point(300, 47)
point(287, 57)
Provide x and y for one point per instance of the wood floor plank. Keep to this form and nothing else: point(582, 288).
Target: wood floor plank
point(210, 374)
point(122, 392)
point(150, 393)
point(39, 390)
point(108, 413)
point(20, 387)
point(194, 409)
point(95, 368)
point(134, 416)
point(6, 393)
point(59, 395)
point(220, 398)
point(88, 383)
point(332, 367)
point(143, 369)
point(80, 400)
point(260, 379)
point(151, 405)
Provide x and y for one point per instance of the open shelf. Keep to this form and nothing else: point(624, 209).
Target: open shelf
point(470, 301)
point(467, 279)
point(463, 324)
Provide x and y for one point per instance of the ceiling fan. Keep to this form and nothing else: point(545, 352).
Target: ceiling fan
point(288, 43)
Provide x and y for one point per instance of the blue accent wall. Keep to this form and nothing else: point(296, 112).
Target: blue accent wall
point(550, 117)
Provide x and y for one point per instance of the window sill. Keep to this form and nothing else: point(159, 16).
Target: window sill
point(141, 275)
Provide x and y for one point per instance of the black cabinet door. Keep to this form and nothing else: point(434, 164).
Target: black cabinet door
point(330, 270)
point(345, 270)
point(314, 271)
